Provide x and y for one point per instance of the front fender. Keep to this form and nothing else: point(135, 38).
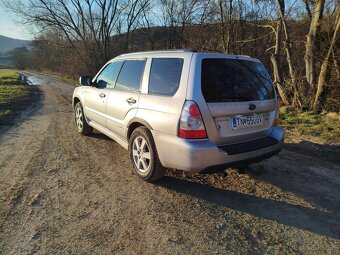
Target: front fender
point(80, 94)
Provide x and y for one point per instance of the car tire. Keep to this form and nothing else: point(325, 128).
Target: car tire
point(144, 156)
point(82, 126)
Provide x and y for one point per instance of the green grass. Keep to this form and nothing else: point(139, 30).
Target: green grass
point(10, 86)
point(10, 91)
point(8, 76)
point(325, 126)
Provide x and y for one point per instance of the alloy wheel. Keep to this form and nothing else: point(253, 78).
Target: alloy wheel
point(79, 119)
point(141, 154)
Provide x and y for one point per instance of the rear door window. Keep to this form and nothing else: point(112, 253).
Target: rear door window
point(165, 75)
point(130, 75)
point(233, 80)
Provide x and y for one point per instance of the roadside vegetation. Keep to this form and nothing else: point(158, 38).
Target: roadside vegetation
point(296, 40)
point(15, 97)
point(312, 134)
point(324, 126)
point(8, 76)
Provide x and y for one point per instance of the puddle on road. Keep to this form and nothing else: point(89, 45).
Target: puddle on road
point(32, 80)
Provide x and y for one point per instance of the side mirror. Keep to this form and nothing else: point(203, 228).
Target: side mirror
point(85, 80)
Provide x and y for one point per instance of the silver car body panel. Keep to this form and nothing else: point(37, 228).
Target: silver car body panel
point(215, 114)
point(196, 155)
point(112, 115)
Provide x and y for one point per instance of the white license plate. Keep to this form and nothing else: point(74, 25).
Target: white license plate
point(238, 122)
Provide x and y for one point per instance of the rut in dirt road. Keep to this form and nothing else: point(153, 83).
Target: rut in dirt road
point(66, 193)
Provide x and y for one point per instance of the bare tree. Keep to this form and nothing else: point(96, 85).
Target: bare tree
point(225, 12)
point(147, 26)
point(325, 65)
point(89, 22)
point(275, 59)
point(317, 13)
point(92, 31)
point(133, 10)
point(287, 47)
point(177, 14)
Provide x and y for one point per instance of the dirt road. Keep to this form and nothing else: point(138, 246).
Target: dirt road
point(63, 193)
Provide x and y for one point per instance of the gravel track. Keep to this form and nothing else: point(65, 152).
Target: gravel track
point(63, 193)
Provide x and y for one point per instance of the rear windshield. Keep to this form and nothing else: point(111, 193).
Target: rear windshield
point(232, 80)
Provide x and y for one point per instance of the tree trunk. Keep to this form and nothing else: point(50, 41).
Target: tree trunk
point(222, 26)
point(324, 68)
point(310, 42)
point(287, 47)
point(126, 44)
point(275, 59)
point(230, 24)
point(336, 66)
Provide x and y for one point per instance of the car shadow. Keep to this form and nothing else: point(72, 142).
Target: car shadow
point(99, 136)
point(308, 170)
point(325, 152)
point(316, 221)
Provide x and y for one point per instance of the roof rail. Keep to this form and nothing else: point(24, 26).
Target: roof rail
point(247, 56)
point(159, 51)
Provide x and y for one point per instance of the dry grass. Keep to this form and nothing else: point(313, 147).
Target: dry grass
point(325, 126)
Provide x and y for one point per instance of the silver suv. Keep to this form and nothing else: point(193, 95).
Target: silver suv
point(182, 109)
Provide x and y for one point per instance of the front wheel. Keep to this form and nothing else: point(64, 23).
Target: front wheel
point(143, 155)
point(82, 125)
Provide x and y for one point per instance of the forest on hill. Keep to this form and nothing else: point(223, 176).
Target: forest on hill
point(298, 41)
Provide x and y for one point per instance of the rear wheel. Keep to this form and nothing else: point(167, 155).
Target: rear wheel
point(82, 125)
point(143, 155)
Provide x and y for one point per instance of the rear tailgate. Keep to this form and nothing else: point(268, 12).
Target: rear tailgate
point(239, 98)
point(224, 116)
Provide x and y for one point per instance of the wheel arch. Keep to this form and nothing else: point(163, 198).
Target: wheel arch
point(135, 123)
point(75, 101)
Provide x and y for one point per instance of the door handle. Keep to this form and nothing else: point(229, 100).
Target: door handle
point(131, 100)
point(102, 95)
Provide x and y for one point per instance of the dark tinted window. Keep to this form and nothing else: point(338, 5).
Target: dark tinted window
point(165, 75)
point(230, 80)
point(107, 78)
point(130, 75)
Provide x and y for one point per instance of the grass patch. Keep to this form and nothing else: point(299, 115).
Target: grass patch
point(325, 126)
point(8, 76)
point(317, 135)
point(9, 93)
point(10, 87)
point(14, 97)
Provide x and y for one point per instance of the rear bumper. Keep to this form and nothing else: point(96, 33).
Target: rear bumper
point(202, 155)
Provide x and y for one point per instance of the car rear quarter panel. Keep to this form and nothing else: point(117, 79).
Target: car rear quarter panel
point(163, 112)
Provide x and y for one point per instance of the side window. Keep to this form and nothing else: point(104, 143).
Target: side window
point(165, 75)
point(108, 76)
point(130, 76)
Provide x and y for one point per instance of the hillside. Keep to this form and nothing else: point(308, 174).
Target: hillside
point(7, 43)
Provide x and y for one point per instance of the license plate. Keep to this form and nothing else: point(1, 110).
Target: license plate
point(238, 122)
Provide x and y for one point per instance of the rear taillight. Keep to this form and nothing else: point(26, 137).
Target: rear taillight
point(191, 124)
